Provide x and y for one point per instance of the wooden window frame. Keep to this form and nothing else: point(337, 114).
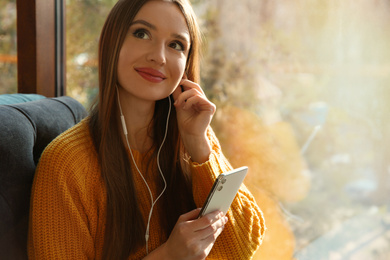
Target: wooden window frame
point(41, 47)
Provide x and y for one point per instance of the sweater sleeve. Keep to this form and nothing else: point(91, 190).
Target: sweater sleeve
point(245, 229)
point(63, 206)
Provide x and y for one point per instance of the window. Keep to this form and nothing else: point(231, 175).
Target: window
point(302, 90)
point(8, 59)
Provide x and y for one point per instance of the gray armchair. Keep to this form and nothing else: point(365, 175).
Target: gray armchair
point(25, 130)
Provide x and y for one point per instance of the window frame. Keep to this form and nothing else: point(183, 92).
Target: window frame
point(41, 47)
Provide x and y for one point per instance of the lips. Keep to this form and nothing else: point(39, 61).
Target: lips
point(151, 75)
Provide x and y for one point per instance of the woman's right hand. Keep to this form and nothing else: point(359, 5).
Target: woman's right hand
point(193, 238)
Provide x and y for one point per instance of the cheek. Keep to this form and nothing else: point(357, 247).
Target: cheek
point(181, 66)
point(123, 64)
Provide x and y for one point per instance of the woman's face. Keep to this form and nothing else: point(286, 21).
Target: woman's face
point(153, 56)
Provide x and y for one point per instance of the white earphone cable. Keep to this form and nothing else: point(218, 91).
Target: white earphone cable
point(158, 164)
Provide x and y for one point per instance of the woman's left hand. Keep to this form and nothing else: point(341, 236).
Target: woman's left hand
point(194, 113)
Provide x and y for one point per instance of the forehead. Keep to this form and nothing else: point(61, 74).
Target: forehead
point(164, 15)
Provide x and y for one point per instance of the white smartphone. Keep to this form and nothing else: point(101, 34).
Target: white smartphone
point(223, 191)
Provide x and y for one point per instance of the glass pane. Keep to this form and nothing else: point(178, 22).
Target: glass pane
point(302, 91)
point(8, 49)
point(84, 20)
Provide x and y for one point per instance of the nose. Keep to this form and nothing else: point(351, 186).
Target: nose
point(157, 54)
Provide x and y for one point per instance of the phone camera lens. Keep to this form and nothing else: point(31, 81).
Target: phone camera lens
point(220, 188)
point(223, 181)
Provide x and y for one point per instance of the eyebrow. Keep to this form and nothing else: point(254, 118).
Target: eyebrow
point(151, 26)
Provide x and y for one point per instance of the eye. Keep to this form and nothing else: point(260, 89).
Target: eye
point(141, 34)
point(177, 46)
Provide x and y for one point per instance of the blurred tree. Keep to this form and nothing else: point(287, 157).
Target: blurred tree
point(8, 65)
point(239, 52)
point(316, 52)
point(277, 171)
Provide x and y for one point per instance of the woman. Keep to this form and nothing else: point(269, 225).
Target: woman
point(124, 183)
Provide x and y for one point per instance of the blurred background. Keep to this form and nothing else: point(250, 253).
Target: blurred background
point(302, 90)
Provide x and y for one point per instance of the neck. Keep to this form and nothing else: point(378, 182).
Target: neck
point(138, 115)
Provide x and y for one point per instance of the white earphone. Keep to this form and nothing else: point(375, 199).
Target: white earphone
point(158, 164)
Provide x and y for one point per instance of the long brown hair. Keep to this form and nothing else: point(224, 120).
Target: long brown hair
point(125, 227)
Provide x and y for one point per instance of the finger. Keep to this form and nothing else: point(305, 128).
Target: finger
point(191, 215)
point(184, 96)
point(188, 84)
point(210, 240)
point(199, 104)
point(208, 220)
point(213, 230)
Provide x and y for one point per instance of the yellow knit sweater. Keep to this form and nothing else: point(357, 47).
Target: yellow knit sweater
point(68, 204)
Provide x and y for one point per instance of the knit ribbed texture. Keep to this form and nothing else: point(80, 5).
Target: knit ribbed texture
point(68, 203)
